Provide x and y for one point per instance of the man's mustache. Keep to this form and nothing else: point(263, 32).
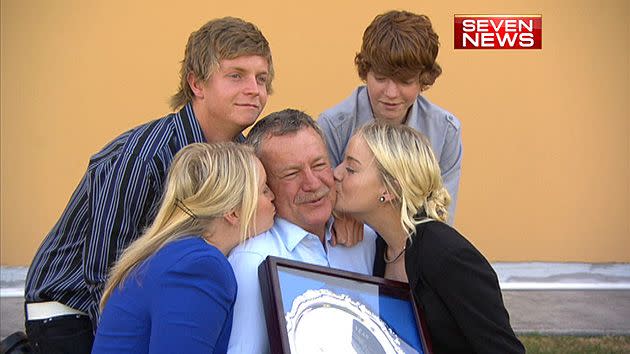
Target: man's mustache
point(311, 197)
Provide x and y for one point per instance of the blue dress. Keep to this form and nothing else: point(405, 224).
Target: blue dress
point(180, 300)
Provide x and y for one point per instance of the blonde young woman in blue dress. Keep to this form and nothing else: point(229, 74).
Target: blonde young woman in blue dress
point(173, 290)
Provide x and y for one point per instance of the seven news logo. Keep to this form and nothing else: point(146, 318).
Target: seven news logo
point(498, 31)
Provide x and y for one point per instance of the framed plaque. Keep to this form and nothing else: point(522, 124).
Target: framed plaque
point(315, 309)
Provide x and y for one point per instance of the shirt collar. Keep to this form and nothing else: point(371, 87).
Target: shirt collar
point(188, 129)
point(413, 118)
point(364, 111)
point(291, 234)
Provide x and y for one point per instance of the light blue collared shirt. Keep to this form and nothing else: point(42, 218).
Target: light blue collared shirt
point(286, 240)
point(441, 127)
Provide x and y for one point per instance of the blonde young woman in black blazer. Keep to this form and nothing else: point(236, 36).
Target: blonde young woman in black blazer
point(390, 180)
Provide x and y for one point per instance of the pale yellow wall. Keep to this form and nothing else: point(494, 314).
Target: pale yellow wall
point(546, 171)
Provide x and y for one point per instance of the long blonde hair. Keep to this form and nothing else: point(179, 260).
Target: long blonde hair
point(205, 181)
point(409, 170)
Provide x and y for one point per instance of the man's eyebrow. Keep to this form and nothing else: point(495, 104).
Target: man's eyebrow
point(320, 159)
point(233, 67)
point(242, 69)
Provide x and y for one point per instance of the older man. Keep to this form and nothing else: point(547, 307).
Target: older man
point(293, 150)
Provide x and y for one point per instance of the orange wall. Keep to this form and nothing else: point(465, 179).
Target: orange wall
point(546, 172)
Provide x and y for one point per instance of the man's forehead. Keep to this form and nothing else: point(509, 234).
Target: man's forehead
point(293, 159)
point(242, 62)
point(291, 150)
point(293, 141)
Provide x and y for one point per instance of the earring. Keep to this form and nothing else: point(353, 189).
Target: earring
point(382, 199)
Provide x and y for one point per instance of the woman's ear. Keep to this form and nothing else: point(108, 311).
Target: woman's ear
point(386, 196)
point(232, 217)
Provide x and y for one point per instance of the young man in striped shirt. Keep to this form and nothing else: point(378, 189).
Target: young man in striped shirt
point(226, 77)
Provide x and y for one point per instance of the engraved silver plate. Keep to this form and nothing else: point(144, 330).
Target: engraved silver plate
point(321, 321)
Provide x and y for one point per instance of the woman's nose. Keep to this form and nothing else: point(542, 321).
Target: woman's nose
point(338, 173)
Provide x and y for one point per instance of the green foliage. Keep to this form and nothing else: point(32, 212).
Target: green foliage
point(540, 344)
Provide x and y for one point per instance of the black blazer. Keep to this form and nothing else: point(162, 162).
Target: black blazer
point(455, 286)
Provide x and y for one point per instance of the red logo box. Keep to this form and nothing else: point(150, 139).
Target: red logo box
point(498, 31)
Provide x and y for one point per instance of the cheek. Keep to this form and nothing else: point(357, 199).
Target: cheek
point(327, 178)
point(374, 91)
point(286, 192)
point(410, 94)
point(348, 187)
point(262, 96)
point(346, 183)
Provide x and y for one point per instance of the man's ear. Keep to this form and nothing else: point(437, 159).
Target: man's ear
point(195, 84)
point(232, 217)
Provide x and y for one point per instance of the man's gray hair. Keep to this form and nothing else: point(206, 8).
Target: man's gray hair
point(281, 123)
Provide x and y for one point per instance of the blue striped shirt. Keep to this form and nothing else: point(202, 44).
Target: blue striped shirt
point(115, 201)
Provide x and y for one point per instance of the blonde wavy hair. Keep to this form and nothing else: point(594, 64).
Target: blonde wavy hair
point(409, 170)
point(204, 182)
